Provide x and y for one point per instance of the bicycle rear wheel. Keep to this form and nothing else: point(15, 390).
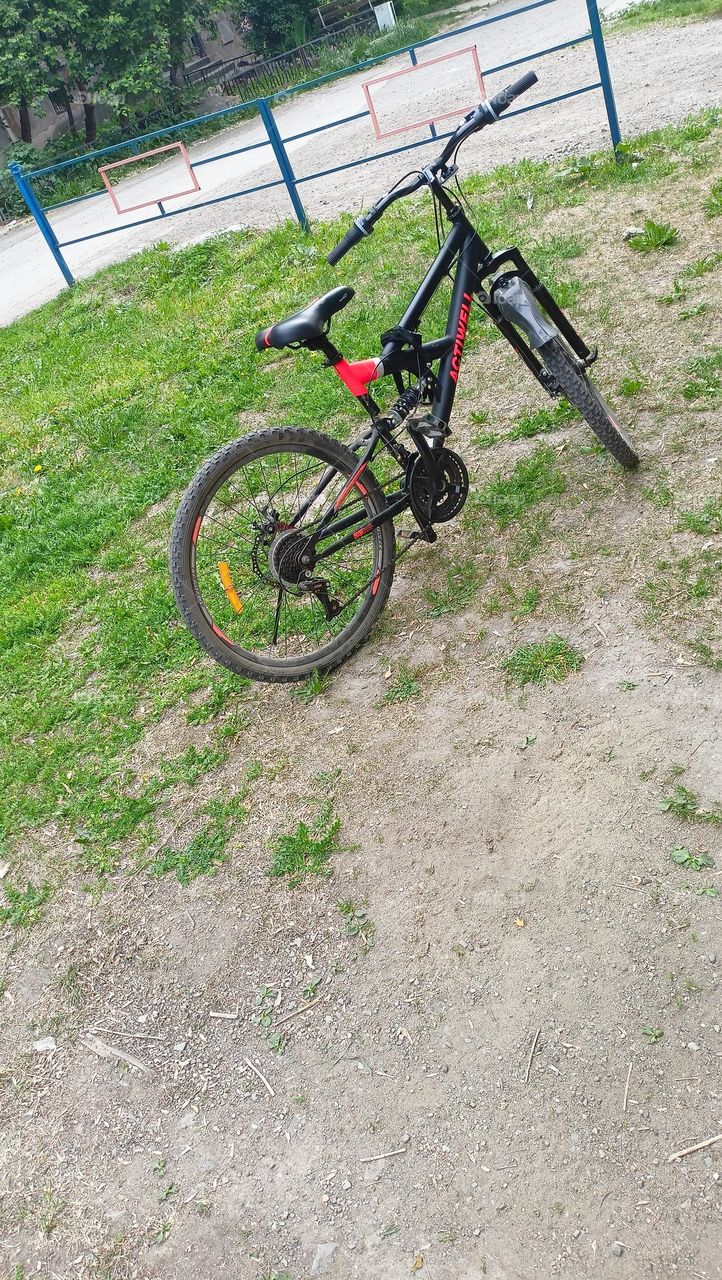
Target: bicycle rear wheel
point(581, 392)
point(260, 591)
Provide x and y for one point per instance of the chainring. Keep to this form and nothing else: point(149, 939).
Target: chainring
point(454, 492)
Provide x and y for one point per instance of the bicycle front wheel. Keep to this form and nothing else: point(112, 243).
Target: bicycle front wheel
point(581, 392)
point(270, 584)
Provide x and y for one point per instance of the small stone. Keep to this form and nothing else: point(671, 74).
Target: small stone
point(616, 1248)
point(346, 1184)
point(322, 1257)
point(405, 1138)
point(46, 1045)
point(692, 1046)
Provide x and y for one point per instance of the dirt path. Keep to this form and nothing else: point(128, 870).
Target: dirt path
point(506, 856)
point(659, 75)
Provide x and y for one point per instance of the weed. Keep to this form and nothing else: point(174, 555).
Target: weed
point(160, 1167)
point(552, 659)
point(326, 778)
point(706, 521)
point(170, 1190)
point(403, 686)
point(306, 851)
point(527, 603)
point(311, 688)
point(692, 861)
point(713, 203)
point(207, 850)
point(704, 891)
point(485, 439)
point(702, 266)
point(652, 1034)
point(684, 804)
point(449, 1235)
point(479, 416)
point(311, 987)
point(627, 685)
point(660, 496)
point(463, 580)
point(697, 309)
point(656, 235)
point(50, 1213)
point(529, 740)
point(507, 498)
point(358, 924)
point(705, 382)
point(162, 1233)
point(24, 908)
point(631, 386)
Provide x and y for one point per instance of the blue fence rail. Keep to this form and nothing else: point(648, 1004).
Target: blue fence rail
point(278, 143)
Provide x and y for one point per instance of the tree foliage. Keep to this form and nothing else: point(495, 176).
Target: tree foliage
point(270, 26)
point(110, 51)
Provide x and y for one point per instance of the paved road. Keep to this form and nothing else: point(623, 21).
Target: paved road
point(658, 77)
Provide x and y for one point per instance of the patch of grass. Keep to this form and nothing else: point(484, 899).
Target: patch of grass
point(631, 386)
point(684, 804)
point(463, 580)
point(542, 420)
point(311, 688)
point(702, 266)
point(24, 906)
point(706, 380)
point(660, 495)
point(713, 203)
point(527, 602)
point(647, 12)
point(707, 520)
point(507, 497)
point(403, 686)
point(207, 850)
point(655, 236)
point(485, 439)
point(306, 851)
point(546, 660)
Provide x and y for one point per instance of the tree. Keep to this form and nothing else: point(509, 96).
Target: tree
point(270, 26)
point(24, 77)
point(181, 19)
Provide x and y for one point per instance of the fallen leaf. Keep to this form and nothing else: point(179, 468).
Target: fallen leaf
point(417, 1263)
point(520, 922)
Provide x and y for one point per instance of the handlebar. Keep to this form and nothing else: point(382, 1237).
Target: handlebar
point(487, 112)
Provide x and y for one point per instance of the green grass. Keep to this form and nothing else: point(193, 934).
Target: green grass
point(547, 660)
point(307, 850)
point(684, 804)
point(507, 497)
point(713, 203)
point(705, 382)
point(648, 12)
point(24, 906)
point(463, 579)
point(540, 421)
point(402, 686)
point(113, 395)
point(208, 849)
point(705, 521)
point(656, 235)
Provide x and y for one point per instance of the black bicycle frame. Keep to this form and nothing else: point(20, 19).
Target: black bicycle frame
point(475, 262)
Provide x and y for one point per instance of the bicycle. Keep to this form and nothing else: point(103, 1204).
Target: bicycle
point(283, 548)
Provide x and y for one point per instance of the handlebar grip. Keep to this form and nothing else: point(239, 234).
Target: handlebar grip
point(355, 233)
point(505, 97)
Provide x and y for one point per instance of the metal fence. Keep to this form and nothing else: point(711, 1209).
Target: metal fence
point(25, 180)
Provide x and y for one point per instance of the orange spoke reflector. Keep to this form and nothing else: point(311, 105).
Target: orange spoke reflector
point(234, 599)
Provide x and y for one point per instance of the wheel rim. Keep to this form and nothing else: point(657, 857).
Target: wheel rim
point(259, 585)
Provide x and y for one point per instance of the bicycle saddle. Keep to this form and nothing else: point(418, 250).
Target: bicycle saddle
point(309, 323)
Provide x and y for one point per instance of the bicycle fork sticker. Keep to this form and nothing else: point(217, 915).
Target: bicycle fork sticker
point(459, 340)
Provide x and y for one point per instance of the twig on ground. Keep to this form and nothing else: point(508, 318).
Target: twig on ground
point(124, 1035)
point(287, 1017)
point(626, 1089)
point(260, 1075)
point(104, 1050)
point(531, 1055)
point(698, 1146)
point(400, 1151)
point(230, 1017)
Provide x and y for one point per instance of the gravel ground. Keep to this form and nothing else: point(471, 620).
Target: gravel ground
point(659, 76)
